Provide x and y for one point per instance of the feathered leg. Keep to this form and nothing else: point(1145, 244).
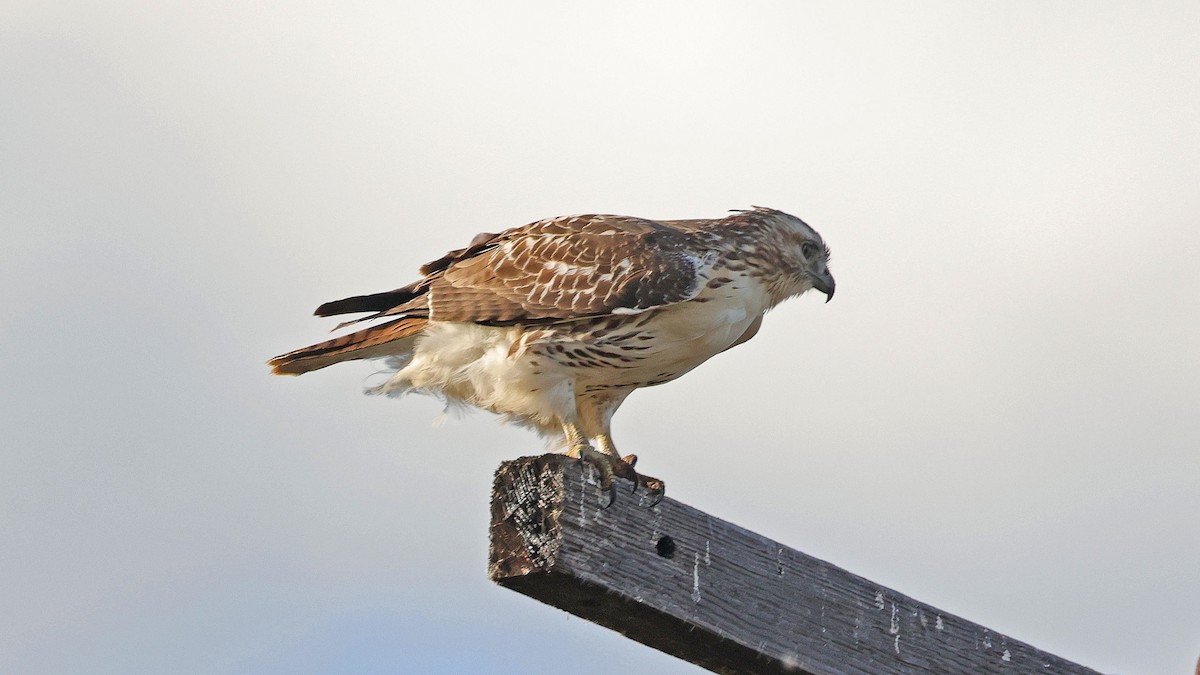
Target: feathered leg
point(595, 417)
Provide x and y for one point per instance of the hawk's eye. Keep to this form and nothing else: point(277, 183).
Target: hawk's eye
point(808, 250)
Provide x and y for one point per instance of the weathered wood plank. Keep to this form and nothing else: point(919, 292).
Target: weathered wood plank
point(715, 594)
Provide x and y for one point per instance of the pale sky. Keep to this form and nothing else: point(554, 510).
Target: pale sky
point(996, 415)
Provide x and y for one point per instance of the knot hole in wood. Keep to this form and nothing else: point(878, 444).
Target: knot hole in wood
point(665, 547)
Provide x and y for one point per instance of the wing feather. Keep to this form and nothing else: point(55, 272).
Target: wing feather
point(567, 268)
point(552, 270)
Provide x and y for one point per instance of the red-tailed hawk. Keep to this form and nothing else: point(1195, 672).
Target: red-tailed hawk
point(554, 323)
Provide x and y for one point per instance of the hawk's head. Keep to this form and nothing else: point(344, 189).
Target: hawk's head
point(809, 256)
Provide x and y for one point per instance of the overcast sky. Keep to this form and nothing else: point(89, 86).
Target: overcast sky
point(996, 415)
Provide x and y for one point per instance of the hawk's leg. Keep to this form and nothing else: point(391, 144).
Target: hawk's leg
point(578, 446)
point(595, 410)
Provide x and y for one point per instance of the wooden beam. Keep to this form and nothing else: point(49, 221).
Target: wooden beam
point(715, 594)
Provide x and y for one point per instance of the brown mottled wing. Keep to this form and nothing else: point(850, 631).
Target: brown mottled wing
point(566, 268)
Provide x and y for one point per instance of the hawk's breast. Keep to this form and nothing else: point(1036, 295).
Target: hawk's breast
point(652, 347)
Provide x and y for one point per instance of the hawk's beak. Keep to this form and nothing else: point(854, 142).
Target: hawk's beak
point(825, 284)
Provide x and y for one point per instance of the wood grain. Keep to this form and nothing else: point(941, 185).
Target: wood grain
point(718, 595)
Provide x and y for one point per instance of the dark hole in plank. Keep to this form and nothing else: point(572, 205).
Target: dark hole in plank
point(665, 547)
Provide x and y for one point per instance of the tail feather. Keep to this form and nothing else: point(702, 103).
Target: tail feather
point(364, 344)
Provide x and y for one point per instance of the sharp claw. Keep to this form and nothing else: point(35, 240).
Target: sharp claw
point(612, 495)
point(609, 486)
point(658, 497)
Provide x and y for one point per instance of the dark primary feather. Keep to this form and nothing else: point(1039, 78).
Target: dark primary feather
point(375, 302)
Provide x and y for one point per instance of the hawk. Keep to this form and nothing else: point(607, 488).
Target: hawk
point(553, 324)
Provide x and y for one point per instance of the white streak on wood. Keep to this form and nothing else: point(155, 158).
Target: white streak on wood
point(583, 486)
point(696, 579)
point(894, 627)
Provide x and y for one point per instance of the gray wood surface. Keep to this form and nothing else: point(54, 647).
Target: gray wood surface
point(715, 594)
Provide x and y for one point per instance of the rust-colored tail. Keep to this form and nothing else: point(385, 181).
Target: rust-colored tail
point(364, 344)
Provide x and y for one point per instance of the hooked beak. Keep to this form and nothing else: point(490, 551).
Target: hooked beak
point(825, 284)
